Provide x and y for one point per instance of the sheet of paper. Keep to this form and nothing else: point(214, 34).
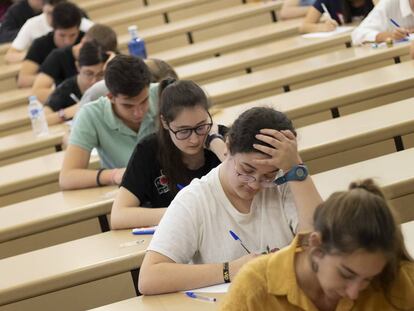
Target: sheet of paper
point(337, 31)
point(220, 288)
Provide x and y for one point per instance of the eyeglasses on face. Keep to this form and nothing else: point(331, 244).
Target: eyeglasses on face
point(245, 178)
point(200, 130)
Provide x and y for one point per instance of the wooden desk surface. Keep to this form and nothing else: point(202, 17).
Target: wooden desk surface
point(30, 173)
point(14, 98)
point(54, 210)
point(57, 267)
point(239, 87)
point(14, 118)
point(230, 42)
point(336, 93)
point(201, 22)
point(148, 11)
point(25, 142)
point(258, 55)
point(179, 302)
point(356, 130)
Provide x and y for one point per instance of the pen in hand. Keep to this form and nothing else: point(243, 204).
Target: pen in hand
point(197, 296)
point(397, 25)
point(235, 237)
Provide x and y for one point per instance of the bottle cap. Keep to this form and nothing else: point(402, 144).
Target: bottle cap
point(132, 28)
point(32, 98)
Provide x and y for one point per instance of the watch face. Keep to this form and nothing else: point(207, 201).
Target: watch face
point(300, 172)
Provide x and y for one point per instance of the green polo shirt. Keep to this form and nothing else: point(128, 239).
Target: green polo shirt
point(97, 126)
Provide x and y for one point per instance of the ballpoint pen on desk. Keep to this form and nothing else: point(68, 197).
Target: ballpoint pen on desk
point(238, 239)
point(144, 230)
point(197, 296)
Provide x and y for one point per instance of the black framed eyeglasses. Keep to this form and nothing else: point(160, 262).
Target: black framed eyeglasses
point(200, 130)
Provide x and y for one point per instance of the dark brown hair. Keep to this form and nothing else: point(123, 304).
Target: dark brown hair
point(175, 95)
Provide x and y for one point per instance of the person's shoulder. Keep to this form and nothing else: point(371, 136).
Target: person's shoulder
point(68, 83)
point(18, 7)
point(43, 39)
point(401, 286)
point(149, 144)
point(95, 108)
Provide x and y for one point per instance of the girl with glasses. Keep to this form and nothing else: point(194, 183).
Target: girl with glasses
point(193, 246)
point(353, 259)
point(187, 146)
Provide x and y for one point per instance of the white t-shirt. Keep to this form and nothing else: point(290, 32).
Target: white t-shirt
point(195, 228)
point(378, 20)
point(36, 27)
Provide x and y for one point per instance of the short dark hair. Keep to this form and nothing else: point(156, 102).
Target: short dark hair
point(91, 54)
point(127, 75)
point(66, 15)
point(242, 134)
point(53, 2)
point(104, 36)
point(160, 70)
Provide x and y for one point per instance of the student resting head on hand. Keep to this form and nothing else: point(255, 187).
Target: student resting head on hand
point(192, 246)
point(354, 259)
point(187, 145)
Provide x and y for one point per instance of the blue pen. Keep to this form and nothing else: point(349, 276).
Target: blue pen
point(197, 296)
point(145, 230)
point(396, 24)
point(238, 239)
point(179, 186)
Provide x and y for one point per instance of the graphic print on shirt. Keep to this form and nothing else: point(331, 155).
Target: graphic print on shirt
point(161, 183)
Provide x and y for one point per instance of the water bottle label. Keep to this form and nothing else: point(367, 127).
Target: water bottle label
point(34, 113)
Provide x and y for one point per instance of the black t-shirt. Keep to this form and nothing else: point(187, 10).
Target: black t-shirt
point(144, 178)
point(60, 64)
point(43, 46)
point(336, 10)
point(60, 98)
point(14, 19)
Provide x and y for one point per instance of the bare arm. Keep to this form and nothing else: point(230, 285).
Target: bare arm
point(311, 22)
point(14, 56)
point(159, 274)
point(127, 213)
point(43, 86)
point(52, 117)
point(76, 175)
point(292, 9)
point(27, 74)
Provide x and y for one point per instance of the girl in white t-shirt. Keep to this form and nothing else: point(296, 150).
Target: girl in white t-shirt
point(192, 246)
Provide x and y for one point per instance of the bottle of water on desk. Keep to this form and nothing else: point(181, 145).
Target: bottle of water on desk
point(136, 45)
point(37, 116)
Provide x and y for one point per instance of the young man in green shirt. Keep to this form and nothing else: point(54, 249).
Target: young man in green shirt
point(112, 124)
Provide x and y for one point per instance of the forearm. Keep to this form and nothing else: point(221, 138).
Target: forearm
point(306, 198)
point(132, 217)
point(25, 80)
point(42, 93)
point(83, 178)
point(219, 148)
point(383, 36)
point(293, 12)
point(15, 56)
point(172, 277)
point(54, 118)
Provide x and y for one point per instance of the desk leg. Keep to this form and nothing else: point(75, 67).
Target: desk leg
point(135, 274)
point(103, 222)
point(399, 144)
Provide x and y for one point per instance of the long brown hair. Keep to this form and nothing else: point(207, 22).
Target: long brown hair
point(362, 219)
point(175, 95)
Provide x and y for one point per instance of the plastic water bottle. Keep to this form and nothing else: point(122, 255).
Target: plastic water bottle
point(136, 45)
point(37, 116)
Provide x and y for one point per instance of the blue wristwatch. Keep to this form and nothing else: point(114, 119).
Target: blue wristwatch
point(298, 173)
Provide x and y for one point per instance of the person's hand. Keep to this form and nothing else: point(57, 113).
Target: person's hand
point(117, 175)
point(284, 154)
point(235, 265)
point(329, 25)
point(400, 33)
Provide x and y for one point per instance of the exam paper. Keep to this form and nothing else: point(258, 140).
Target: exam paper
point(220, 288)
point(337, 31)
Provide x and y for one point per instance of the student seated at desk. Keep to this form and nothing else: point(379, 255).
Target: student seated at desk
point(166, 162)
point(66, 20)
point(34, 28)
point(113, 125)
point(60, 64)
point(354, 259)
point(295, 8)
point(377, 26)
point(192, 246)
point(339, 12)
point(63, 103)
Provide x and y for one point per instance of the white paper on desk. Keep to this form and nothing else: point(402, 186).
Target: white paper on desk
point(220, 288)
point(337, 31)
